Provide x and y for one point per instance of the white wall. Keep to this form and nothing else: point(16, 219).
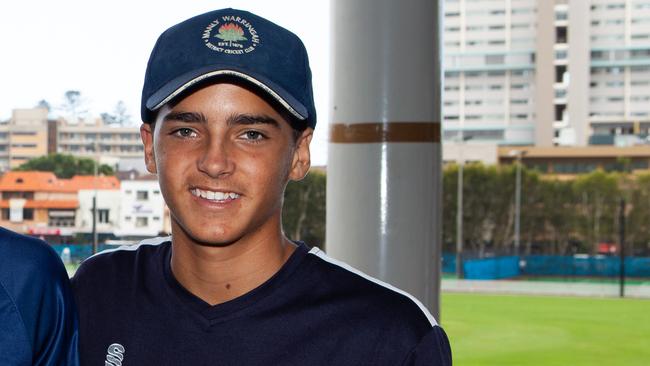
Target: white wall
point(140, 216)
point(106, 200)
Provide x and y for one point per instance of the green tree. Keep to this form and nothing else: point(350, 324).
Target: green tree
point(487, 206)
point(120, 115)
point(638, 230)
point(303, 216)
point(74, 105)
point(598, 195)
point(65, 166)
point(449, 207)
point(558, 215)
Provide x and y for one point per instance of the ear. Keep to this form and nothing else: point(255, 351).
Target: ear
point(146, 133)
point(301, 156)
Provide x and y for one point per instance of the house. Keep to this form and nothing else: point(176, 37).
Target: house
point(40, 204)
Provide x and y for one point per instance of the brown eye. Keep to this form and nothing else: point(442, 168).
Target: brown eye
point(185, 132)
point(253, 135)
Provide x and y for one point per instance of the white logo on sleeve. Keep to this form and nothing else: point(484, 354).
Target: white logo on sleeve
point(115, 355)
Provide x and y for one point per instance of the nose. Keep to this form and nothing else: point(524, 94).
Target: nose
point(216, 161)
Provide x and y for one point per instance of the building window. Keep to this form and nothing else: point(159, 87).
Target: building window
point(142, 195)
point(561, 35)
point(616, 6)
point(494, 59)
point(10, 195)
point(24, 133)
point(61, 218)
point(156, 218)
point(5, 214)
point(127, 218)
point(28, 214)
point(103, 216)
point(141, 221)
point(496, 73)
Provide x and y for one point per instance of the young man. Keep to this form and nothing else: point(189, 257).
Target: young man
point(38, 318)
point(228, 117)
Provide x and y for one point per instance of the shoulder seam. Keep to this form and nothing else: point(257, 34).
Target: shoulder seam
point(320, 254)
point(151, 241)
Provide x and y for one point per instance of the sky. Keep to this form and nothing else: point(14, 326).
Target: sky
point(101, 48)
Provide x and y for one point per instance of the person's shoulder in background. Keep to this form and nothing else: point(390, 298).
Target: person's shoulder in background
point(37, 310)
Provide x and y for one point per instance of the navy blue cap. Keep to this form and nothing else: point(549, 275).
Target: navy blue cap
point(235, 43)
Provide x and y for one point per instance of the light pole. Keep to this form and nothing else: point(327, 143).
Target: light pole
point(95, 243)
point(518, 154)
point(459, 206)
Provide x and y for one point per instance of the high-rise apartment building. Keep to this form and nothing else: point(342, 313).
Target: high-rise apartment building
point(547, 72)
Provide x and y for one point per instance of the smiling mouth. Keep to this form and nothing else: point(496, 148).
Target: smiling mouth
point(215, 196)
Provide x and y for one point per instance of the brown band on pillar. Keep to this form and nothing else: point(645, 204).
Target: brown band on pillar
point(385, 132)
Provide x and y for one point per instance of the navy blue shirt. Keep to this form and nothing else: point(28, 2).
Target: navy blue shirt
point(38, 323)
point(313, 311)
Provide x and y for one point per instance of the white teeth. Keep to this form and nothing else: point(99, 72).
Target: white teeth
point(214, 196)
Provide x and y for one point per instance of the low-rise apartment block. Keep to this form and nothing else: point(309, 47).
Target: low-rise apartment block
point(23, 137)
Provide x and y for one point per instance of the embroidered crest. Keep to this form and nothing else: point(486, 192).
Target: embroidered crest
point(234, 35)
point(231, 32)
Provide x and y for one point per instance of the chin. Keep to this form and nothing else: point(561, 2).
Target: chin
point(212, 239)
point(204, 234)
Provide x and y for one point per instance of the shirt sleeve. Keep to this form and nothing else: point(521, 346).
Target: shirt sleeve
point(56, 331)
point(39, 286)
point(433, 350)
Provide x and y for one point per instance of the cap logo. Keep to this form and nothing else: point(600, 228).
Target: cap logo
point(231, 35)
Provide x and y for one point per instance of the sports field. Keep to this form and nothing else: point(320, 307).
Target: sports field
point(501, 330)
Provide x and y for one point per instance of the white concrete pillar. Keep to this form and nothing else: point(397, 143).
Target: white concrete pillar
point(383, 173)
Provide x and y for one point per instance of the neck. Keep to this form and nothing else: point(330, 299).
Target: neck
point(218, 274)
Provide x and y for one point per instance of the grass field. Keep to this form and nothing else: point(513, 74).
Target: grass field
point(500, 330)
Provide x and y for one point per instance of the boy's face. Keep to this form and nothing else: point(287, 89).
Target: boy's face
point(223, 156)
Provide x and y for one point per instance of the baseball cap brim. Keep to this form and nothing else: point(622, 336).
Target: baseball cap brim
point(175, 87)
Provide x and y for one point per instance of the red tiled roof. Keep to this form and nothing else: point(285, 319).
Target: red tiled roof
point(47, 182)
point(92, 182)
point(28, 181)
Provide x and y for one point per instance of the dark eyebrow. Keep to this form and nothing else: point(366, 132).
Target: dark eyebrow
point(189, 117)
point(251, 119)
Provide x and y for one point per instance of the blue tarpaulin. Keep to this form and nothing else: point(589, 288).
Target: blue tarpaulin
point(547, 265)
